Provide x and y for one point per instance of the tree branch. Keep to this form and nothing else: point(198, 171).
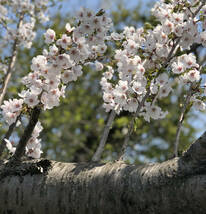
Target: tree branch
point(11, 64)
point(176, 186)
point(181, 119)
point(8, 134)
point(20, 150)
point(195, 156)
point(104, 137)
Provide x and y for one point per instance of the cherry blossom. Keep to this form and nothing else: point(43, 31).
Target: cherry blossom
point(139, 74)
point(49, 36)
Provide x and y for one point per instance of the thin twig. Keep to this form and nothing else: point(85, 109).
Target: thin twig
point(7, 135)
point(131, 125)
point(20, 150)
point(104, 137)
point(155, 99)
point(11, 64)
point(181, 119)
point(198, 9)
point(3, 25)
point(169, 57)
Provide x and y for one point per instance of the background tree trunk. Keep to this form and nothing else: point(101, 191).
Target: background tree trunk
point(43, 186)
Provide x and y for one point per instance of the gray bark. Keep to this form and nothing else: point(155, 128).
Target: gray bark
point(176, 186)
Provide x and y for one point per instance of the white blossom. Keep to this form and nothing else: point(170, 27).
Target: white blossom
point(49, 36)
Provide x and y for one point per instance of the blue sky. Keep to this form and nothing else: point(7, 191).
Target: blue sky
point(74, 5)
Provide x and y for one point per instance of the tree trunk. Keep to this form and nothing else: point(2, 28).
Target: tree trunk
point(176, 186)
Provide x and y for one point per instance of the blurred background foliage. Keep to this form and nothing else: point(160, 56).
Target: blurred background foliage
point(72, 131)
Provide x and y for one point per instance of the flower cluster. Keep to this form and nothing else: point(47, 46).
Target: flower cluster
point(24, 30)
point(59, 65)
point(147, 57)
point(62, 63)
point(33, 147)
point(11, 110)
point(17, 22)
